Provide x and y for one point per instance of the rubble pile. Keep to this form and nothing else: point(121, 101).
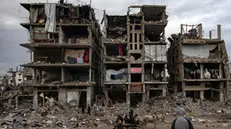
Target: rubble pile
point(7, 97)
point(53, 115)
point(56, 115)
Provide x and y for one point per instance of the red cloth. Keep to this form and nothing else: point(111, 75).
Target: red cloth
point(86, 56)
point(120, 51)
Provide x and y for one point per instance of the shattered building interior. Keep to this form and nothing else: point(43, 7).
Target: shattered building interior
point(65, 52)
point(198, 66)
point(74, 63)
point(135, 54)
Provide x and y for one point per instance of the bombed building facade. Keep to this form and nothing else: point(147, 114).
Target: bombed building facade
point(74, 63)
point(198, 66)
point(65, 52)
point(135, 54)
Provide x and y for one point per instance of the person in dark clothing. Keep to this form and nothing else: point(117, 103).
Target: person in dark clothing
point(61, 1)
point(89, 110)
point(126, 120)
point(14, 125)
point(83, 109)
point(119, 123)
point(131, 116)
point(181, 122)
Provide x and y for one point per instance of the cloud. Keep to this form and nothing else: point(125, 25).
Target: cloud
point(208, 12)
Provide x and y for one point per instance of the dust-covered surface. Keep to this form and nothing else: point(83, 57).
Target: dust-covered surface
point(204, 114)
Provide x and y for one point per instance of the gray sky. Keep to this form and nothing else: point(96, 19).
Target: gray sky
point(208, 12)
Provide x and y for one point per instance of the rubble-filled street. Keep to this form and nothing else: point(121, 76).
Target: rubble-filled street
point(124, 71)
point(53, 115)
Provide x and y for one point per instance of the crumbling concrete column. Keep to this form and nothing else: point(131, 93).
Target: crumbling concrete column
point(164, 91)
point(35, 98)
point(144, 98)
point(89, 94)
point(221, 93)
point(62, 95)
point(202, 85)
point(219, 32)
point(202, 71)
point(128, 99)
point(147, 93)
point(175, 88)
point(16, 102)
point(220, 71)
point(62, 74)
point(183, 90)
point(202, 95)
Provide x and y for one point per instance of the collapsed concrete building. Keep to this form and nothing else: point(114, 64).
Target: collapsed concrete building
point(198, 66)
point(72, 63)
point(135, 54)
point(65, 48)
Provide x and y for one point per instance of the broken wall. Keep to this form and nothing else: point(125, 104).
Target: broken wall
point(73, 56)
point(48, 55)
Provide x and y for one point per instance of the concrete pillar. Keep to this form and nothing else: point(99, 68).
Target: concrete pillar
point(62, 74)
point(221, 93)
point(220, 71)
point(35, 98)
point(202, 95)
point(16, 102)
point(183, 91)
point(89, 94)
point(175, 88)
point(221, 96)
point(144, 98)
point(165, 68)
point(219, 32)
point(202, 71)
point(148, 95)
point(128, 99)
point(200, 31)
point(62, 95)
point(164, 91)
point(202, 84)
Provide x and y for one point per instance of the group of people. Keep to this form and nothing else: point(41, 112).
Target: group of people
point(180, 122)
point(131, 118)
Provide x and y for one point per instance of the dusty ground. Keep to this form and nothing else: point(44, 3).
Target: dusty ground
point(199, 123)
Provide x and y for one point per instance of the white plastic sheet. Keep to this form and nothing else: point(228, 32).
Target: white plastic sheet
point(50, 11)
point(201, 51)
point(115, 72)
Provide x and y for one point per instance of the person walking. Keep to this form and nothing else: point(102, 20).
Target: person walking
point(181, 122)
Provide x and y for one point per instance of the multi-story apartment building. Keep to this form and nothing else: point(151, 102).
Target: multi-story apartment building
point(198, 66)
point(65, 48)
point(135, 54)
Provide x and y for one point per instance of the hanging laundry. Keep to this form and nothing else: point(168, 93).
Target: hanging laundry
point(86, 56)
point(120, 50)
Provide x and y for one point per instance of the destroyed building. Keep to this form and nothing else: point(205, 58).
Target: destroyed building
point(198, 66)
point(135, 54)
point(65, 52)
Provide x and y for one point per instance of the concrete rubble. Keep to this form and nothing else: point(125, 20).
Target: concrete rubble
point(56, 115)
point(80, 78)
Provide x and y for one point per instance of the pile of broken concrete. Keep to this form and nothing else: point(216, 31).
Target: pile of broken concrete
point(54, 114)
